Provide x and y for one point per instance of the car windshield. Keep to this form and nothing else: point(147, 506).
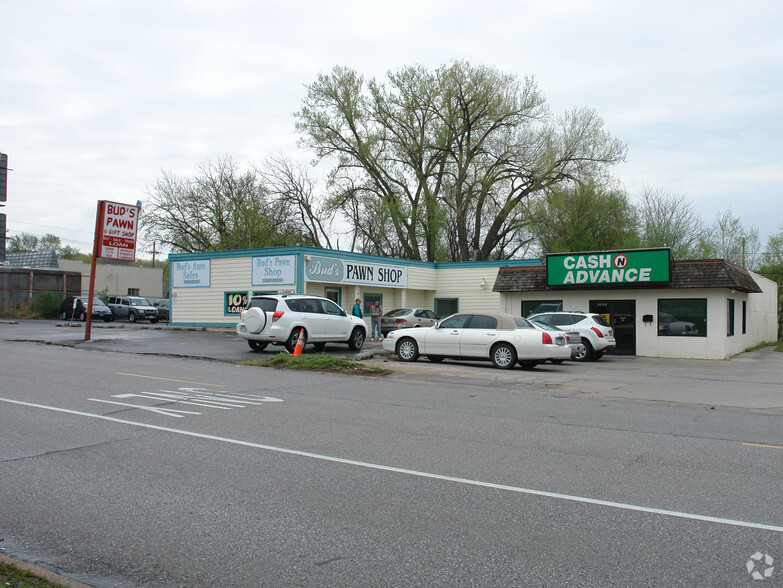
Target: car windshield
point(139, 302)
point(265, 304)
point(398, 312)
point(544, 325)
point(600, 320)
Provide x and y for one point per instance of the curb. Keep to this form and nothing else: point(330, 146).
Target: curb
point(42, 572)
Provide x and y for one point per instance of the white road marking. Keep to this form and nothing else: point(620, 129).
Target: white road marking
point(156, 409)
point(420, 474)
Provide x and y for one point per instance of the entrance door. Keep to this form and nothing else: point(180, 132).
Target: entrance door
point(621, 315)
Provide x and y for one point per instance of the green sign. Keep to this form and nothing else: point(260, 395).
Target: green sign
point(649, 266)
point(234, 302)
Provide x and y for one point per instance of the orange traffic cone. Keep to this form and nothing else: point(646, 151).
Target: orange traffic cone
point(299, 344)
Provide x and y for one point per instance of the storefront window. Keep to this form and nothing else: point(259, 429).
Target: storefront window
point(446, 306)
point(682, 317)
point(730, 317)
point(537, 306)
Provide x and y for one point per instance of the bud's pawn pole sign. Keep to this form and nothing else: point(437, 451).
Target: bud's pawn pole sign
point(118, 225)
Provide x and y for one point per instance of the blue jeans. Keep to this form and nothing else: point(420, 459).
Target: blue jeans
point(376, 324)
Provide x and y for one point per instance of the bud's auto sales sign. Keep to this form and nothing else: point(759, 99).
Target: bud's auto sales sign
point(118, 227)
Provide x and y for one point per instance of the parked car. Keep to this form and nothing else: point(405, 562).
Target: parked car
point(133, 308)
point(279, 318)
point(69, 311)
point(501, 338)
point(597, 336)
point(668, 324)
point(162, 304)
point(401, 318)
point(573, 339)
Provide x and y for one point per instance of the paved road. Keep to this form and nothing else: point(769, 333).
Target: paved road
point(172, 471)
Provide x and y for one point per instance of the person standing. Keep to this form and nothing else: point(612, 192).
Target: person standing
point(357, 309)
point(375, 317)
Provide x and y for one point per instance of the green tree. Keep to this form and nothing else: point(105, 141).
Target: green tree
point(437, 165)
point(22, 242)
point(220, 208)
point(727, 238)
point(583, 217)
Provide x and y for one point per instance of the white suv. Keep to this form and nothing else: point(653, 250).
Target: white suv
point(597, 335)
point(278, 319)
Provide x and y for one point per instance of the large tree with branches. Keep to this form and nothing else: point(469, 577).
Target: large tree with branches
point(436, 165)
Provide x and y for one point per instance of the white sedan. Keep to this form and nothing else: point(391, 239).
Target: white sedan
point(501, 338)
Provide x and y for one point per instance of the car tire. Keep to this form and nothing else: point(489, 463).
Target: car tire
point(82, 316)
point(106, 319)
point(596, 355)
point(319, 347)
point(257, 345)
point(585, 356)
point(293, 339)
point(528, 364)
point(557, 361)
point(356, 340)
point(435, 358)
point(65, 316)
point(504, 356)
point(407, 350)
point(153, 321)
point(132, 317)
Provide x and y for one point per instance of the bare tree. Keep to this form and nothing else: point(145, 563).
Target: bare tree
point(441, 162)
point(667, 219)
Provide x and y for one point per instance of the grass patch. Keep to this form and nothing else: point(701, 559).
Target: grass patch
point(10, 575)
point(317, 362)
point(777, 344)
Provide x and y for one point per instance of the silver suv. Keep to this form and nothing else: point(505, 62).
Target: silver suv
point(279, 318)
point(597, 335)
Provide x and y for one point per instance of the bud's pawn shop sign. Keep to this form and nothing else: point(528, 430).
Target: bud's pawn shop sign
point(118, 225)
point(640, 267)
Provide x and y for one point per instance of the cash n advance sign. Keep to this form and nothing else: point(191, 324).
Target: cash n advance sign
point(642, 267)
point(339, 271)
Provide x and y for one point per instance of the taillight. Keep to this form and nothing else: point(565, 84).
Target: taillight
point(687, 328)
point(545, 338)
point(597, 332)
point(401, 321)
point(277, 315)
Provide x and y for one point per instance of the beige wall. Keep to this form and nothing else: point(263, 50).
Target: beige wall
point(117, 279)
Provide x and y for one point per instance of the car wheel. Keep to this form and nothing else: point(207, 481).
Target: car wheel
point(528, 365)
point(106, 319)
point(293, 339)
point(65, 316)
point(153, 321)
point(132, 317)
point(319, 347)
point(407, 350)
point(356, 340)
point(588, 351)
point(256, 345)
point(435, 358)
point(82, 316)
point(557, 361)
point(596, 355)
point(504, 356)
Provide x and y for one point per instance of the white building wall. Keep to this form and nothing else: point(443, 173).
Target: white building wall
point(472, 285)
point(118, 279)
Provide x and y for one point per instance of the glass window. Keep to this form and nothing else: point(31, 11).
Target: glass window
point(331, 308)
point(369, 302)
point(446, 306)
point(266, 304)
point(561, 320)
point(480, 321)
point(523, 323)
point(682, 317)
point(536, 306)
point(455, 322)
point(600, 320)
point(744, 317)
point(730, 317)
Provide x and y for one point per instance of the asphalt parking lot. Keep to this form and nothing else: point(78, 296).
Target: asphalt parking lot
point(748, 381)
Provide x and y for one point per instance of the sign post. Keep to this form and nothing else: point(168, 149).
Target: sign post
point(116, 227)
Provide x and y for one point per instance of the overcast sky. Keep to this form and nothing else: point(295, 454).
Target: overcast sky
point(97, 97)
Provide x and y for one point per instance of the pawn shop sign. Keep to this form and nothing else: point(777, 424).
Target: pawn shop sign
point(116, 229)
